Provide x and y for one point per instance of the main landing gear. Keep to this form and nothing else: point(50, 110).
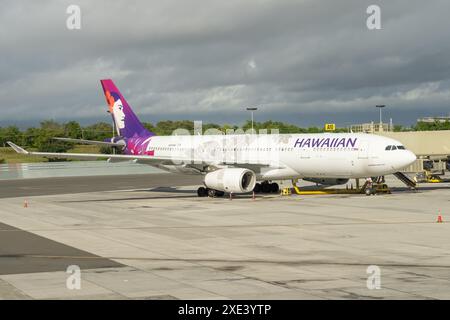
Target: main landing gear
point(207, 192)
point(263, 187)
point(266, 187)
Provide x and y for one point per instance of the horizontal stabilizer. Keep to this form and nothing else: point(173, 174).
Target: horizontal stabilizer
point(83, 141)
point(17, 148)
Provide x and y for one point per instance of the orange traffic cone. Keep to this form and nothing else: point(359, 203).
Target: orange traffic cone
point(25, 204)
point(439, 219)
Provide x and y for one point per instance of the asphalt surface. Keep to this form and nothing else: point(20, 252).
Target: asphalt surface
point(63, 185)
point(25, 252)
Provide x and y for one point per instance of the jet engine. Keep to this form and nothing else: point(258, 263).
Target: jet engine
point(328, 181)
point(119, 141)
point(236, 180)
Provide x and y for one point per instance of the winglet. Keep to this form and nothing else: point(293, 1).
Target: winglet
point(17, 148)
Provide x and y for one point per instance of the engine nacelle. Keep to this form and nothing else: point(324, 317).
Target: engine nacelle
point(119, 140)
point(236, 180)
point(328, 181)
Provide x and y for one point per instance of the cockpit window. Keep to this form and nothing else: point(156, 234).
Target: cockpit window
point(395, 148)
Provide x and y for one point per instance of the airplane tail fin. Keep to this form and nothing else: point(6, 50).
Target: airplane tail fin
point(126, 122)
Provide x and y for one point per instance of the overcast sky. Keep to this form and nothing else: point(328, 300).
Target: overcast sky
point(304, 62)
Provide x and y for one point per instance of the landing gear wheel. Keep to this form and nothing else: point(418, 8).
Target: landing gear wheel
point(211, 193)
point(201, 192)
point(370, 191)
point(265, 186)
point(257, 188)
point(274, 188)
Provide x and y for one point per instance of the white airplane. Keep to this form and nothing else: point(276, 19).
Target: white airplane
point(234, 163)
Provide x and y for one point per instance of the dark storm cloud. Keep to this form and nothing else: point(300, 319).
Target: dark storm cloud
point(301, 61)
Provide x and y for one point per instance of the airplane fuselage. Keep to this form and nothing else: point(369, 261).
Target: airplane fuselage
point(327, 155)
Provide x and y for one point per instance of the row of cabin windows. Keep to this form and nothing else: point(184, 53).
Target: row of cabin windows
point(225, 149)
point(256, 149)
point(395, 148)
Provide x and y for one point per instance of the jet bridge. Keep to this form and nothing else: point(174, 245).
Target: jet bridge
point(432, 149)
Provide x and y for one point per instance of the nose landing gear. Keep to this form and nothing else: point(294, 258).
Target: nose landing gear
point(376, 185)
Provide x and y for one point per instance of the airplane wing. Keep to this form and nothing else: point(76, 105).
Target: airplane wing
point(83, 141)
point(144, 159)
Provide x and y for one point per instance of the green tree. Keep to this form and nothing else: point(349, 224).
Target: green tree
point(11, 133)
point(167, 127)
point(30, 136)
point(149, 126)
point(314, 130)
point(51, 125)
point(432, 126)
point(72, 129)
point(98, 131)
point(44, 141)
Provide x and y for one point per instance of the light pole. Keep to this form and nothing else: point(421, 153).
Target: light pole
point(252, 109)
point(380, 106)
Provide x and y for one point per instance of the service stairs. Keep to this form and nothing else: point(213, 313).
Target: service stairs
point(406, 180)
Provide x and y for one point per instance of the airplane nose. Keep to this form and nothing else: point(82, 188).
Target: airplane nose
point(410, 157)
point(406, 159)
